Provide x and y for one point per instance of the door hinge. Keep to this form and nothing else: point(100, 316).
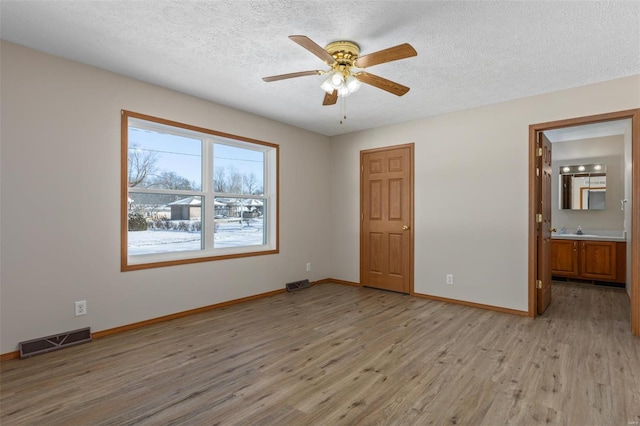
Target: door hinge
point(539, 217)
point(538, 284)
point(362, 216)
point(361, 169)
point(539, 152)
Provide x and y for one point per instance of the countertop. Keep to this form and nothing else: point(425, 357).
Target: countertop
point(592, 235)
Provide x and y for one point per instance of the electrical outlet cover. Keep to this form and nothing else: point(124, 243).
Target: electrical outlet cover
point(81, 307)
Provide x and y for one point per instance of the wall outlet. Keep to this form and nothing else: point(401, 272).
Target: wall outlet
point(81, 307)
point(309, 267)
point(450, 279)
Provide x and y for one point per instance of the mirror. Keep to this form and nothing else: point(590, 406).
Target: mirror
point(583, 187)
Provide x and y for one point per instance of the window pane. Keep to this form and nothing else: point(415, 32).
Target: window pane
point(164, 161)
point(239, 222)
point(237, 170)
point(162, 223)
point(182, 206)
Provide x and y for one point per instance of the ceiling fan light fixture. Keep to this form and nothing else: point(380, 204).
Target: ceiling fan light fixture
point(352, 83)
point(337, 80)
point(344, 76)
point(327, 86)
point(343, 91)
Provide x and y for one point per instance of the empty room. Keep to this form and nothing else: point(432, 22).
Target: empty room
point(305, 212)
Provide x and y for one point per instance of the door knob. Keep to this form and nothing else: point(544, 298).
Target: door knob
point(553, 230)
point(405, 227)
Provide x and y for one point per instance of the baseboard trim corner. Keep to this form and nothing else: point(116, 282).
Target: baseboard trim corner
point(472, 304)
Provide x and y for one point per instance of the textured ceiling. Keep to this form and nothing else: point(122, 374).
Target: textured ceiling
point(469, 53)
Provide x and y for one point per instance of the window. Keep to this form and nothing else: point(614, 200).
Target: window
point(192, 195)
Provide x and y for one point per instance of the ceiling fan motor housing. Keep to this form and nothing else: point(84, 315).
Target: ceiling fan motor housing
point(344, 52)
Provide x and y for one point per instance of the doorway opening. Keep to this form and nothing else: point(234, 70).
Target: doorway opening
point(540, 250)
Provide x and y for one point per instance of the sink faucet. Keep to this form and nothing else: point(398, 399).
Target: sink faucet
point(579, 230)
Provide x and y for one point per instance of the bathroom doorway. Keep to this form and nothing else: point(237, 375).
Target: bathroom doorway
point(539, 253)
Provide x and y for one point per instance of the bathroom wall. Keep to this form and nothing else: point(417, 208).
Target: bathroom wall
point(607, 150)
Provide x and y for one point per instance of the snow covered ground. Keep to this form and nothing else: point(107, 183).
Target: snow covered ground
point(228, 234)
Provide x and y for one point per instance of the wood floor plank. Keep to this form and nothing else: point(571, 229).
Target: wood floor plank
point(335, 354)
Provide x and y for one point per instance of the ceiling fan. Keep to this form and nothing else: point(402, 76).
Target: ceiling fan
point(345, 61)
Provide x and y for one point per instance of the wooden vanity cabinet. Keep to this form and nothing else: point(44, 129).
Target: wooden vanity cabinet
point(564, 258)
point(592, 260)
point(598, 260)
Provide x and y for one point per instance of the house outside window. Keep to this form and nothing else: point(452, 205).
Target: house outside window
point(191, 194)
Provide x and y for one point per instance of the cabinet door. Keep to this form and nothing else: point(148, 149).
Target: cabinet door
point(621, 262)
point(598, 260)
point(564, 258)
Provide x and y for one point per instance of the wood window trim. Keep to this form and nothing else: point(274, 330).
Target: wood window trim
point(124, 189)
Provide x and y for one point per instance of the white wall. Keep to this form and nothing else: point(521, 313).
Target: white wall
point(61, 202)
point(478, 158)
point(602, 150)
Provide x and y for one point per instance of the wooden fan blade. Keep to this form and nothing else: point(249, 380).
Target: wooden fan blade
point(290, 75)
point(314, 48)
point(330, 98)
point(382, 83)
point(400, 51)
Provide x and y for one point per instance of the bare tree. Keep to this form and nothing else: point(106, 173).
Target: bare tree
point(230, 180)
point(234, 181)
point(141, 165)
point(220, 179)
point(252, 185)
point(170, 180)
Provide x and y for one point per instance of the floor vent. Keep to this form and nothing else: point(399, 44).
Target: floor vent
point(298, 285)
point(55, 342)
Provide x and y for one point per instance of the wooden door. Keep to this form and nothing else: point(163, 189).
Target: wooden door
point(598, 260)
point(564, 258)
point(386, 233)
point(544, 227)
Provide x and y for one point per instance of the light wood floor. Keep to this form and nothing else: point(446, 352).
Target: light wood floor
point(335, 354)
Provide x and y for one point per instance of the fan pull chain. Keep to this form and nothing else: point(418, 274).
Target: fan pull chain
point(343, 109)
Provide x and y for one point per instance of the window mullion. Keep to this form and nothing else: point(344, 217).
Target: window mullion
point(207, 189)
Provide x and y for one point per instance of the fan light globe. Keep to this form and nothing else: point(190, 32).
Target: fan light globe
point(353, 84)
point(327, 86)
point(337, 80)
point(343, 92)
